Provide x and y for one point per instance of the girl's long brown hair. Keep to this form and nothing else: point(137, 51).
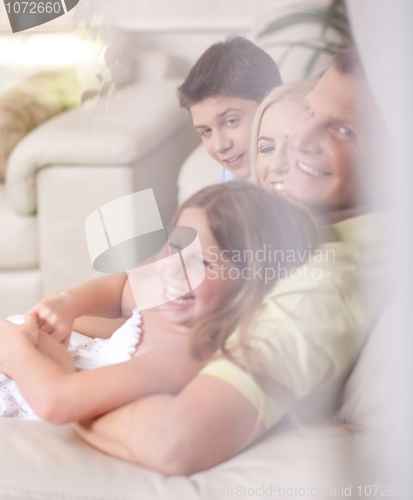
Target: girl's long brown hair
point(243, 217)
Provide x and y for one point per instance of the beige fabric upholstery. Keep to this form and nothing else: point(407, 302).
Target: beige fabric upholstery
point(18, 236)
point(42, 461)
point(67, 195)
point(118, 130)
point(198, 171)
point(35, 100)
point(19, 291)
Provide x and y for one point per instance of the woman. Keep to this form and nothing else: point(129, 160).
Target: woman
point(271, 125)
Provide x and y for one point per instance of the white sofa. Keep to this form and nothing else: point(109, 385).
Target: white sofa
point(72, 164)
point(40, 461)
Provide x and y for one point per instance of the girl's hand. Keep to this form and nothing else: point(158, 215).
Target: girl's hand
point(55, 316)
point(12, 337)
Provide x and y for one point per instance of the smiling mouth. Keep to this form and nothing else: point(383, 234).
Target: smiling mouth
point(176, 296)
point(233, 161)
point(310, 170)
point(279, 187)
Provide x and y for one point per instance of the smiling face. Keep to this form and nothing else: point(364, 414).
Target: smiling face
point(324, 145)
point(224, 124)
point(212, 292)
point(272, 162)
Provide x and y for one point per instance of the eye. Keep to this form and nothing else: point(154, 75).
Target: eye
point(205, 133)
point(231, 122)
point(346, 131)
point(309, 111)
point(266, 149)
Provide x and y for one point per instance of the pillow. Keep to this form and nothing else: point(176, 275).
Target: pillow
point(32, 102)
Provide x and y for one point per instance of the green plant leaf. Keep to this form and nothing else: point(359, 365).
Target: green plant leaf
point(311, 63)
point(330, 47)
point(332, 13)
point(288, 20)
point(334, 17)
point(284, 55)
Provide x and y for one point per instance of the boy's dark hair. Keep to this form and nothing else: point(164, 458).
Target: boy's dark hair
point(347, 62)
point(234, 68)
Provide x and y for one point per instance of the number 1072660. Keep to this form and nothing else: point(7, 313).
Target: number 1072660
point(34, 8)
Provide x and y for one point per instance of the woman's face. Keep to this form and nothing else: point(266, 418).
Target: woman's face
point(186, 308)
point(272, 163)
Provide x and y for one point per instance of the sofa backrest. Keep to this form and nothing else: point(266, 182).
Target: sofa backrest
point(365, 392)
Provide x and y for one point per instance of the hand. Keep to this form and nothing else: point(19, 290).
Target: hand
point(55, 316)
point(11, 338)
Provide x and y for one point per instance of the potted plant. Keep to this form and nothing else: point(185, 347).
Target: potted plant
point(317, 32)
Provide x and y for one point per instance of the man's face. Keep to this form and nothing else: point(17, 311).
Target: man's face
point(324, 145)
point(224, 124)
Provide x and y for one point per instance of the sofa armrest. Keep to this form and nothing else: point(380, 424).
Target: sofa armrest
point(117, 130)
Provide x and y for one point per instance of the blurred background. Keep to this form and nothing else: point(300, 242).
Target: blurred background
point(137, 47)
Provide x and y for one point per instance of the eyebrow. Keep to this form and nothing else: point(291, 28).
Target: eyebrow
point(263, 138)
point(229, 110)
point(223, 113)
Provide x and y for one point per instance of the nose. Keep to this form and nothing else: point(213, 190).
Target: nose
point(305, 136)
point(279, 161)
point(221, 142)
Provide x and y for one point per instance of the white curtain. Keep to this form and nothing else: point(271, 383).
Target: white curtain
point(384, 36)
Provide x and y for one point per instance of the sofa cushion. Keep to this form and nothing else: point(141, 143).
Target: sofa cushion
point(18, 234)
point(116, 130)
point(368, 389)
point(198, 171)
point(42, 461)
point(19, 291)
point(32, 102)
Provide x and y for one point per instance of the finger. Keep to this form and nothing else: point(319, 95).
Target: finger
point(66, 341)
point(47, 320)
point(60, 332)
point(31, 328)
point(30, 321)
point(35, 311)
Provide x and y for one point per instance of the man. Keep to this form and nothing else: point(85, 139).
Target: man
point(222, 92)
point(310, 330)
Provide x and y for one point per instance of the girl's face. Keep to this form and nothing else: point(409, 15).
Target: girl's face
point(272, 163)
point(210, 294)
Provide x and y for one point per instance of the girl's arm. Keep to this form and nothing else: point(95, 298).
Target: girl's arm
point(61, 397)
point(92, 326)
point(101, 297)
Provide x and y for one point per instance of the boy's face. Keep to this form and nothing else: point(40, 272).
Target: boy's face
point(224, 124)
point(324, 145)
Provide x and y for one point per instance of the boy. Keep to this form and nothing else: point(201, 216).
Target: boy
point(222, 92)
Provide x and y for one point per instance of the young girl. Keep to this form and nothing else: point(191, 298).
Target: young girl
point(239, 227)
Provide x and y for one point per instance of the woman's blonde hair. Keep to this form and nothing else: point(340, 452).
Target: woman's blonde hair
point(295, 91)
point(244, 220)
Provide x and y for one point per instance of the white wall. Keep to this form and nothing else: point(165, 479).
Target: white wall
point(182, 28)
